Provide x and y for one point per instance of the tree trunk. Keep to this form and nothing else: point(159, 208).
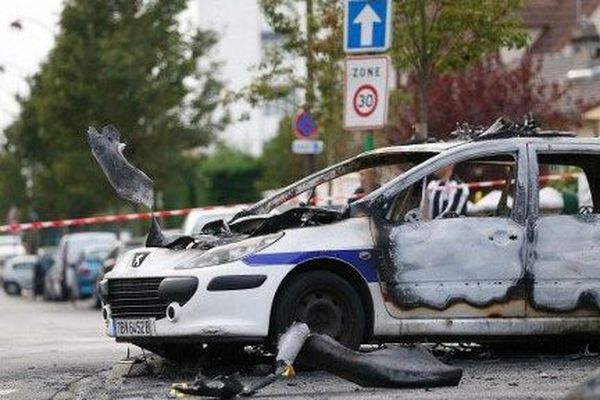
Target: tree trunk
point(422, 129)
point(424, 74)
point(309, 99)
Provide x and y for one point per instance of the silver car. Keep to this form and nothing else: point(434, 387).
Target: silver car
point(18, 274)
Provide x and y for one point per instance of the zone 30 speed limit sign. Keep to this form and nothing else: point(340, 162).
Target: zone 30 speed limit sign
point(366, 92)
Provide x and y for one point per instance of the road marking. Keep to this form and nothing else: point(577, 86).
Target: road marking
point(4, 392)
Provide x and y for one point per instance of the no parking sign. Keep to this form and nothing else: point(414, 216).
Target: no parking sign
point(366, 92)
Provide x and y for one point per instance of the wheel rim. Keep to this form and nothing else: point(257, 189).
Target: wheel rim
point(324, 311)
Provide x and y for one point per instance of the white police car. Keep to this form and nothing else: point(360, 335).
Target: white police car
point(382, 268)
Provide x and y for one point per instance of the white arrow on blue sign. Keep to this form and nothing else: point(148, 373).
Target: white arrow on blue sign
point(367, 26)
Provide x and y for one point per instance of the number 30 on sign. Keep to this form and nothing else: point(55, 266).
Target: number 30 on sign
point(366, 92)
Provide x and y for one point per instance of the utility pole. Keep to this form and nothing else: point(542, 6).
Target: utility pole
point(309, 95)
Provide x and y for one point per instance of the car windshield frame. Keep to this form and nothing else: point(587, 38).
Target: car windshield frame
point(416, 153)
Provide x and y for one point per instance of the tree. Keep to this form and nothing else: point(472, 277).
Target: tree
point(484, 92)
point(12, 184)
point(230, 176)
point(308, 62)
point(432, 37)
point(280, 167)
point(122, 62)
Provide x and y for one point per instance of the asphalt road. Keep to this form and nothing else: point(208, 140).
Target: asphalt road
point(58, 351)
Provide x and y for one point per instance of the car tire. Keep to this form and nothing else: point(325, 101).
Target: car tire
point(12, 288)
point(328, 303)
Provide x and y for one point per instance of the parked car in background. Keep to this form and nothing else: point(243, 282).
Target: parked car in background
point(87, 269)
point(18, 274)
point(42, 266)
point(62, 275)
point(10, 246)
point(196, 219)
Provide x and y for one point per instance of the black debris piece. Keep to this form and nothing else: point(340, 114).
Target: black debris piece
point(393, 367)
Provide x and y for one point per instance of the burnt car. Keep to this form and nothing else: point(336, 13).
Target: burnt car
point(414, 258)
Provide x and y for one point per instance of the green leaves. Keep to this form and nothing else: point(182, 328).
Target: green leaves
point(230, 177)
point(442, 35)
point(437, 36)
point(122, 62)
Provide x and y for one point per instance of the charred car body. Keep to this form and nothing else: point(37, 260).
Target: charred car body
point(383, 268)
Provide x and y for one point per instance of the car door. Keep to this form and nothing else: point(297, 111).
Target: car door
point(565, 264)
point(24, 274)
point(466, 266)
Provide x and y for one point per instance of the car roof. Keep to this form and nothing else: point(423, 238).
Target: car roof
point(432, 147)
point(28, 258)
point(10, 240)
point(439, 147)
point(420, 151)
point(91, 248)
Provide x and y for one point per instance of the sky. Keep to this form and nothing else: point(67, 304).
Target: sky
point(21, 51)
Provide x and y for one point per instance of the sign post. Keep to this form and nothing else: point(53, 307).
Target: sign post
point(367, 29)
point(307, 133)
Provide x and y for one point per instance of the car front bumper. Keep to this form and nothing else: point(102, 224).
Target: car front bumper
point(231, 302)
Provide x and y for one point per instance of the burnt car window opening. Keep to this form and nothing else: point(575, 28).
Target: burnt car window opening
point(568, 184)
point(473, 188)
point(337, 193)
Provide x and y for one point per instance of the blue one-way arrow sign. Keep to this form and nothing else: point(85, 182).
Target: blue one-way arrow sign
point(367, 26)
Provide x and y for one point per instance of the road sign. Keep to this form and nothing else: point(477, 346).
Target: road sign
point(367, 26)
point(366, 92)
point(307, 146)
point(305, 126)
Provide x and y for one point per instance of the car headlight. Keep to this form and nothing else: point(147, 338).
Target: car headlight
point(231, 252)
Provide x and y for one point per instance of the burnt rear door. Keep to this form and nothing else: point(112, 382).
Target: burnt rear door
point(464, 263)
point(565, 263)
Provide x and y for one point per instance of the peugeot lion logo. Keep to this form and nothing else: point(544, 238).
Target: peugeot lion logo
point(138, 259)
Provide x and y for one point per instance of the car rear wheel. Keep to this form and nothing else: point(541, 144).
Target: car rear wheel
point(328, 303)
point(12, 288)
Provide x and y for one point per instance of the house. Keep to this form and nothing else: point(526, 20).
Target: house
point(565, 33)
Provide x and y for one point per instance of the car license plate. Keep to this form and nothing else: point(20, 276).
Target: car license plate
point(133, 327)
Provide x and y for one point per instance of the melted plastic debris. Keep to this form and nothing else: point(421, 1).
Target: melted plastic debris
point(130, 183)
point(393, 367)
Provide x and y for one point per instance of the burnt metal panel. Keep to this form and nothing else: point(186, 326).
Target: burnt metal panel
point(437, 263)
point(566, 268)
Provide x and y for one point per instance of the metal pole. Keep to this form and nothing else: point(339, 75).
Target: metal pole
point(309, 99)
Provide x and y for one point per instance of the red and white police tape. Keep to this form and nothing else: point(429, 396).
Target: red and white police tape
point(103, 219)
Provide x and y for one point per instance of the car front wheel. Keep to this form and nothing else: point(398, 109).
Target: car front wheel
point(12, 288)
point(326, 302)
